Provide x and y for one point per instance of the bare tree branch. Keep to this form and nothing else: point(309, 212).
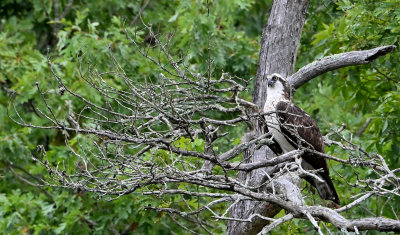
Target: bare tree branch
point(337, 61)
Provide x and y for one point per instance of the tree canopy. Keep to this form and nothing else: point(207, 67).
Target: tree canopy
point(80, 40)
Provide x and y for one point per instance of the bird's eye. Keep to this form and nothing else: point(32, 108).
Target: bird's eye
point(274, 78)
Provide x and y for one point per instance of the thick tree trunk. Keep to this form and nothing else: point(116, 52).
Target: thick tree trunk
point(279, 45)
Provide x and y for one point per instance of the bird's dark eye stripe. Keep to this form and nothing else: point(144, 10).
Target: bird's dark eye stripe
point(274, 78)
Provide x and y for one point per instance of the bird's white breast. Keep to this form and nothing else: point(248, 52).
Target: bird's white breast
point(273, 98)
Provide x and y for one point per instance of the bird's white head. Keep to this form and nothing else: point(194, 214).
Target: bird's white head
point(278, 87)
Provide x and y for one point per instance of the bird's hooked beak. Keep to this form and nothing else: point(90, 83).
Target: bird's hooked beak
point(271, 82)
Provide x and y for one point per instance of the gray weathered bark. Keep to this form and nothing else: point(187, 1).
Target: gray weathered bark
point(333, 62)
point(279, 45)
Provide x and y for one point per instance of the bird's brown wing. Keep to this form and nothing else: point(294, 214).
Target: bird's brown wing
point(302, 131)
point(299, 127)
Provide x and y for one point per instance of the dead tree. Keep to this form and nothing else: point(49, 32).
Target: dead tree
point(279, 45)
point(142, 138)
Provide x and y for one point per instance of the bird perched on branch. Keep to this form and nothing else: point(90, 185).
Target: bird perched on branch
point(292, 128)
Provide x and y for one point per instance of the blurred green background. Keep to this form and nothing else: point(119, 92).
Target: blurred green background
point(366, 98)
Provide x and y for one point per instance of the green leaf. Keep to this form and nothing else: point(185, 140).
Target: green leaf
point(60, 228)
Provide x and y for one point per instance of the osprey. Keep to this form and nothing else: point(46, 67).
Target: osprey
point(292, 128)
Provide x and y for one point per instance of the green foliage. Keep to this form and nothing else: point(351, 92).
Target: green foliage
point(94, 29)
point(228, 35)
point(360, 97)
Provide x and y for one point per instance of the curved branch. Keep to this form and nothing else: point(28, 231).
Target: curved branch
point(264, 163)
point(336, 61)
point(379, 223)
point(326, 214)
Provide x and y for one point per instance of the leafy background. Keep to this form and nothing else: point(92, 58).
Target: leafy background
point(364, 96)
